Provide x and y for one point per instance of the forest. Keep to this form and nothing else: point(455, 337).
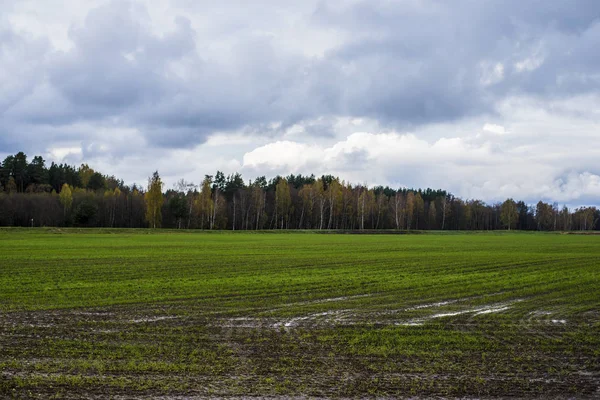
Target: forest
point(32, 194)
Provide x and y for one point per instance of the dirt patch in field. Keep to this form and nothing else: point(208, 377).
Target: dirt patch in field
point(143, 352)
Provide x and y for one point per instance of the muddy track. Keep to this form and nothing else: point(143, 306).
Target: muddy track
point(141, 351)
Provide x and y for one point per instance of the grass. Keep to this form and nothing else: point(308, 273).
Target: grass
point(88, 313)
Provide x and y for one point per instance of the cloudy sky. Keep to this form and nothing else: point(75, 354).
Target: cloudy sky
point(488, 99)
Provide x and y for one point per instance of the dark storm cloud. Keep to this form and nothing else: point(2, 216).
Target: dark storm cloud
point(403, 63)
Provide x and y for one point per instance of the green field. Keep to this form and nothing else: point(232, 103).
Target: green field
point(89, 314)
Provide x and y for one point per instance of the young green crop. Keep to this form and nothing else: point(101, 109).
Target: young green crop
point(133, 313)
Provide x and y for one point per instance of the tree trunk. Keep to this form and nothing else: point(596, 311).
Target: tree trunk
point(234, 206)
point(444, 214)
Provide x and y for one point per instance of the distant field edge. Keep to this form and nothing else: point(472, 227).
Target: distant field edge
point(70, 230)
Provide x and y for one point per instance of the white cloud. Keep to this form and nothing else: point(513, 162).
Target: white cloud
point(582, 186)
point(493, 128)
point(287, 154)
point(60, 153)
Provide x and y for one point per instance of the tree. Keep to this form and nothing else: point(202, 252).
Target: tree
point(419, 209)
point(85, 213)
point(432, 216)
point(544, 215)
point(410, 209)
point(111, 197)
point(446, 208)
point(234, 185)
point(258, 201)
point(307, 194)
point(19, 170)
point(362, 207)
point(178, 207)
point(205, 204)
point(219, 182)
point(333, 193)
point(85, 173)
point(189, 190)
point(399, 209)
point(283, 202)
point(319, 190)
point(96, 182)
point(585, 218)
point(154, 201)
point(526, 217)
point(565, 219)
point(37, 172)
point(509, 214)
point(66, 198)
point(11, 186)
point(348, 209)
point(6, 170)
point(381, 205)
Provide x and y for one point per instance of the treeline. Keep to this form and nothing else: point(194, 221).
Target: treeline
point(32, 194)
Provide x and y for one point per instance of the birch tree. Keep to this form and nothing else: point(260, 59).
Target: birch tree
point(66, 199)
point(509, 214)
point(206, 203)
point(399, 209)
point(283, 201)
point(410, 209)
point(320, 193)
point(154, 201)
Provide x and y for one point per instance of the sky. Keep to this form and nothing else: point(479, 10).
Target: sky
point(487, 99)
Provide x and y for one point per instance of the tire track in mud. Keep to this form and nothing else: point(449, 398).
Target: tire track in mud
point(151, 324)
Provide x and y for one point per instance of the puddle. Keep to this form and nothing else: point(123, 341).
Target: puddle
point(494, 308)
point(153, 319)
point(297, 320)
point(349, 317)
point(540, 312)
point(542, 317)
point(432, 305)
point(94, 313)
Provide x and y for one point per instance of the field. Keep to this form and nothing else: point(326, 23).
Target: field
point(140, 314)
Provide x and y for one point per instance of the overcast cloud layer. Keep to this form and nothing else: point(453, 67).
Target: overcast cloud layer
point(488, 99)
